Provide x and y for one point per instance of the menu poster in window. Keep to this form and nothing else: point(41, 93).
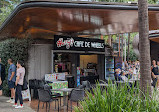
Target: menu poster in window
point(78, 44)
point(60, 76)
point(50, 77)
point(78, 76)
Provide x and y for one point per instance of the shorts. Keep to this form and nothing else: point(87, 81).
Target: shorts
point(11, 84)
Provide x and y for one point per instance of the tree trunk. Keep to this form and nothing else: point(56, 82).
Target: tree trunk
point(144, 47)
point(128, 46)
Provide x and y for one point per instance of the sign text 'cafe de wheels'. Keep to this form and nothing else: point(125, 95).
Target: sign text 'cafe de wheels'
point(71, 53)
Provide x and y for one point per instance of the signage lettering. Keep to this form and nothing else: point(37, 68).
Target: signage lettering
point(78, 43)
point(97, 45)
point(87, 44)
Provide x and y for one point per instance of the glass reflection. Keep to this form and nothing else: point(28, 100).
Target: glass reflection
point(81, 16)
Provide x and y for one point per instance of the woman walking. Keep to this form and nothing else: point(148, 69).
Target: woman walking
point(19, 83)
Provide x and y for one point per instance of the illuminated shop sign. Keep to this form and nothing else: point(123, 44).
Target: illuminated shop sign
point(78, 44)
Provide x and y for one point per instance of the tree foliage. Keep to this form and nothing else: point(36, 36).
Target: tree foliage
point(6, 7)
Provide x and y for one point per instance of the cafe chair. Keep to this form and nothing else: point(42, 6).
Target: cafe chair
point(45, 96)
point(76, 95)
point(53, 94)
point(41, 84)
point(80, 87)
point(87, 86)
point(33, 84)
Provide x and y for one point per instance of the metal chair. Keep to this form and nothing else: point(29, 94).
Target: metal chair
point(53, 94)
point(76, 95)
point(87, 85)
point(31, 85)
point(41, 83)
point(36, 87)
point(45, 96)
point(80, 87)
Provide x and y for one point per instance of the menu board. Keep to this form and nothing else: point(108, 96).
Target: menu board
point(26, 94)
point(54, 77)
point(60, 76)
point(50, 77)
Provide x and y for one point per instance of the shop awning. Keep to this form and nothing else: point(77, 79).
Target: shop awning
point(154, 36)
point(43, 19)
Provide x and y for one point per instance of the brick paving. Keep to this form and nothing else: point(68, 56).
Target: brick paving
point(7, 107)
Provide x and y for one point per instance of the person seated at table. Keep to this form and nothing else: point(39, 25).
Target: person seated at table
point(124, 78)
point(129, 74)
point(117, 75)
point(119, 71)
point(134, 73)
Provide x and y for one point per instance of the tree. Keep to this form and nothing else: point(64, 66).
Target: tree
point(144, 47)
point(6, 7)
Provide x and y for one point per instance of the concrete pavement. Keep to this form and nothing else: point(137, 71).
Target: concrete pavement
point(7, 107)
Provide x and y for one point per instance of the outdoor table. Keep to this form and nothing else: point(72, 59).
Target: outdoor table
point(120, 82)
point(59, 85)
point(103, 85)
point(65, 91)
point(134, 79)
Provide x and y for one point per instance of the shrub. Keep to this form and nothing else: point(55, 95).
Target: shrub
point(117, 99)
point(17, 49)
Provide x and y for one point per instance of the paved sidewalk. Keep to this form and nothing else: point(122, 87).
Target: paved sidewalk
point(7, 107)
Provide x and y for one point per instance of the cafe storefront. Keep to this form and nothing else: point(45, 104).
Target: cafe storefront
point(84, 53)
point(75, 57)
point(41, 20)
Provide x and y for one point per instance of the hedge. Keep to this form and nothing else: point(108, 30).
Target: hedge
point(17, 49)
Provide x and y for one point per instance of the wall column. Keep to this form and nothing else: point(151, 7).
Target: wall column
point(75, 60)
point(101, 66)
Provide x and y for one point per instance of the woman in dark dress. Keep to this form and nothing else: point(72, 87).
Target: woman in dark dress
point(155, 72)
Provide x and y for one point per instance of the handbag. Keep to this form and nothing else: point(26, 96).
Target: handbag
point(25, 84)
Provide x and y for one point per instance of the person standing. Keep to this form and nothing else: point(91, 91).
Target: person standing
point(0, 85)
point(19, 83)
point(2, 75)
point(155, 73)
point(11, 79)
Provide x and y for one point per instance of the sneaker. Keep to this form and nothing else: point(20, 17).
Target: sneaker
point(19, 106)
point(8, 101)
point(15, 105)
point(12, 101)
